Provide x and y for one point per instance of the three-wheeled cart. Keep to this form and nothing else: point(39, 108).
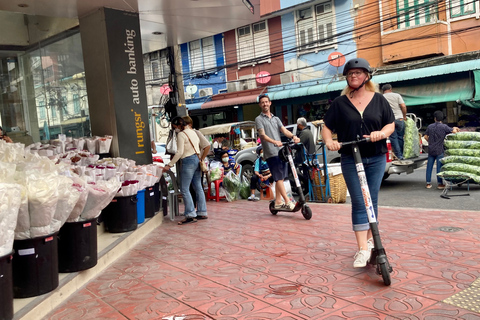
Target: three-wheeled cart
point(457, 180)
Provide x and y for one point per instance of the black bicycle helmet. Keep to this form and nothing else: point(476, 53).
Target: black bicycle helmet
point(357, 63)
point(259, 149)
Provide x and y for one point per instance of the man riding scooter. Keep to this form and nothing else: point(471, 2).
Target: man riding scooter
point(269, 128)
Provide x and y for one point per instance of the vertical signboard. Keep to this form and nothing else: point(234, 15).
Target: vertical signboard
point(128, 84)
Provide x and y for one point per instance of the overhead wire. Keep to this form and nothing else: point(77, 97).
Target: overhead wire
point(342, 30)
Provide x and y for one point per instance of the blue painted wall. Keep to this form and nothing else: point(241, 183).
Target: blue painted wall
point(315, 64)
point(215, 80)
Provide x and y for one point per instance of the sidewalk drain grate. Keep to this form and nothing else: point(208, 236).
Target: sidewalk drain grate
point(449, 229)
point(467, 299)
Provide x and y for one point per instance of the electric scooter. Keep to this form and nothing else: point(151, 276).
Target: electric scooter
point(285, 154)
point(378, 256)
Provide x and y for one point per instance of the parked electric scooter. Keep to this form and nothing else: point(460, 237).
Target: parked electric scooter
point(378, 256)
point(285, 154)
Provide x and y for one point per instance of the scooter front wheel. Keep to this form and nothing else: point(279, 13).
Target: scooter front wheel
point(271, 206)
point(307, 212)
point(384, 269)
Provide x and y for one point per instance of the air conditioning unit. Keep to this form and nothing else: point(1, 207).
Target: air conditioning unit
point(248, 84)
point(232, 87)
point(188, 96)
point(205, 92)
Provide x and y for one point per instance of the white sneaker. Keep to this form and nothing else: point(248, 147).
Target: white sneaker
point(279, 206)
point(361, 258)
point(290, 205)
point(252, 198)
point(370, 244)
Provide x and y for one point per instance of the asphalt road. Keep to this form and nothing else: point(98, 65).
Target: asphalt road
point(409, 191)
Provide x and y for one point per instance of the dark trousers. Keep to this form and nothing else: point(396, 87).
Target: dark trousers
point(255, 181)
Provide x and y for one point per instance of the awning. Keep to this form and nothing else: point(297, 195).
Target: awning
point(231, 101)
point(428, 91)
point(306, 88)
point(226, 127)
point(194, 106)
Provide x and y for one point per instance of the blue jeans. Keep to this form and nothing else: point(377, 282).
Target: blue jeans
point(396, 138)
point(431, 160)
point(191, 174)
point(374, 170)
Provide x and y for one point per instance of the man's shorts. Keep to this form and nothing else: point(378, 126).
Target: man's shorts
point(278, 168)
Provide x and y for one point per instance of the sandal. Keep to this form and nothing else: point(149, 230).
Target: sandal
point(428, 186)
point(202, 217)
point(187, 220)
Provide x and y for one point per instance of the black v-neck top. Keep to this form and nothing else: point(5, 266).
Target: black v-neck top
point(346, 121)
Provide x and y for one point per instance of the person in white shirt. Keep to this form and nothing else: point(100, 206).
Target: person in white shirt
point(188, 149)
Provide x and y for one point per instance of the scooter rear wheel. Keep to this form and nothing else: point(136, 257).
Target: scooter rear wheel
point(307, 212)
point(271, 206)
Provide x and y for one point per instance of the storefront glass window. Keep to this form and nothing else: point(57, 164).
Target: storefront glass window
point(44, 92)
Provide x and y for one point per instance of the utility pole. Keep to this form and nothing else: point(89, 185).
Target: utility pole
point(177, 73)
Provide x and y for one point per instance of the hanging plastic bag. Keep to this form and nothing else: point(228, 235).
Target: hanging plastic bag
point(216, 170)
point(10, 201)
point(288, 189)
point(244, 191)
point(232, 183)
point(171, 146)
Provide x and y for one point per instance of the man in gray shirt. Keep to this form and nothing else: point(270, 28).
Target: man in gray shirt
point(269, 128)
point(400, 112)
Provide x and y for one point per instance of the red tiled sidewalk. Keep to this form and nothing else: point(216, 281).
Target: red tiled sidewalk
point(245, 263)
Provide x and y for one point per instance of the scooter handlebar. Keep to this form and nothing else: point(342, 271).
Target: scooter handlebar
point(367, 139)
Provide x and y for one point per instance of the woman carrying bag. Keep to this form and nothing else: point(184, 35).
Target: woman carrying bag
point(188, 151)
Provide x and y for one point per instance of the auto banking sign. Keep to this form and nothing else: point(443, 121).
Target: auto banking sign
point(128, 85)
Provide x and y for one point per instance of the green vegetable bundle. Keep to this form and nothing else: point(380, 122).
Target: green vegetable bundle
point(460, 144)
point(462, 159)
point(467, 168)
point(411, 144)
point(216, 173)
point(475, 161)
point(231, 183)
point(168, 180)
point(464, 136)
point(459, 175)
point(463, 152)
point(244, 188)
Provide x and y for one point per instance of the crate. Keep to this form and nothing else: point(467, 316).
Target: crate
point(338, 187)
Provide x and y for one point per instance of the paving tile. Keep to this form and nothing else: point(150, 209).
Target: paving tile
point(112, 281)
point(354, 289)
point(269, 313)
point(146, 303)
point(244, 263)
point(91, 309)
point(442, 311)
point(232, 306)
point(317, 278)
point(396, 303)
point(432, 288)
point(300, 300)
point(354, 312)
point(237, 277)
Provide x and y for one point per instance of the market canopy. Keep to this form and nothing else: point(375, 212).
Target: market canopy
point(226, 127)
point(433, 92)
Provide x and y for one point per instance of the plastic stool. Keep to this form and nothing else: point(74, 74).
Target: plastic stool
point(217, 196)
point(268, 194)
